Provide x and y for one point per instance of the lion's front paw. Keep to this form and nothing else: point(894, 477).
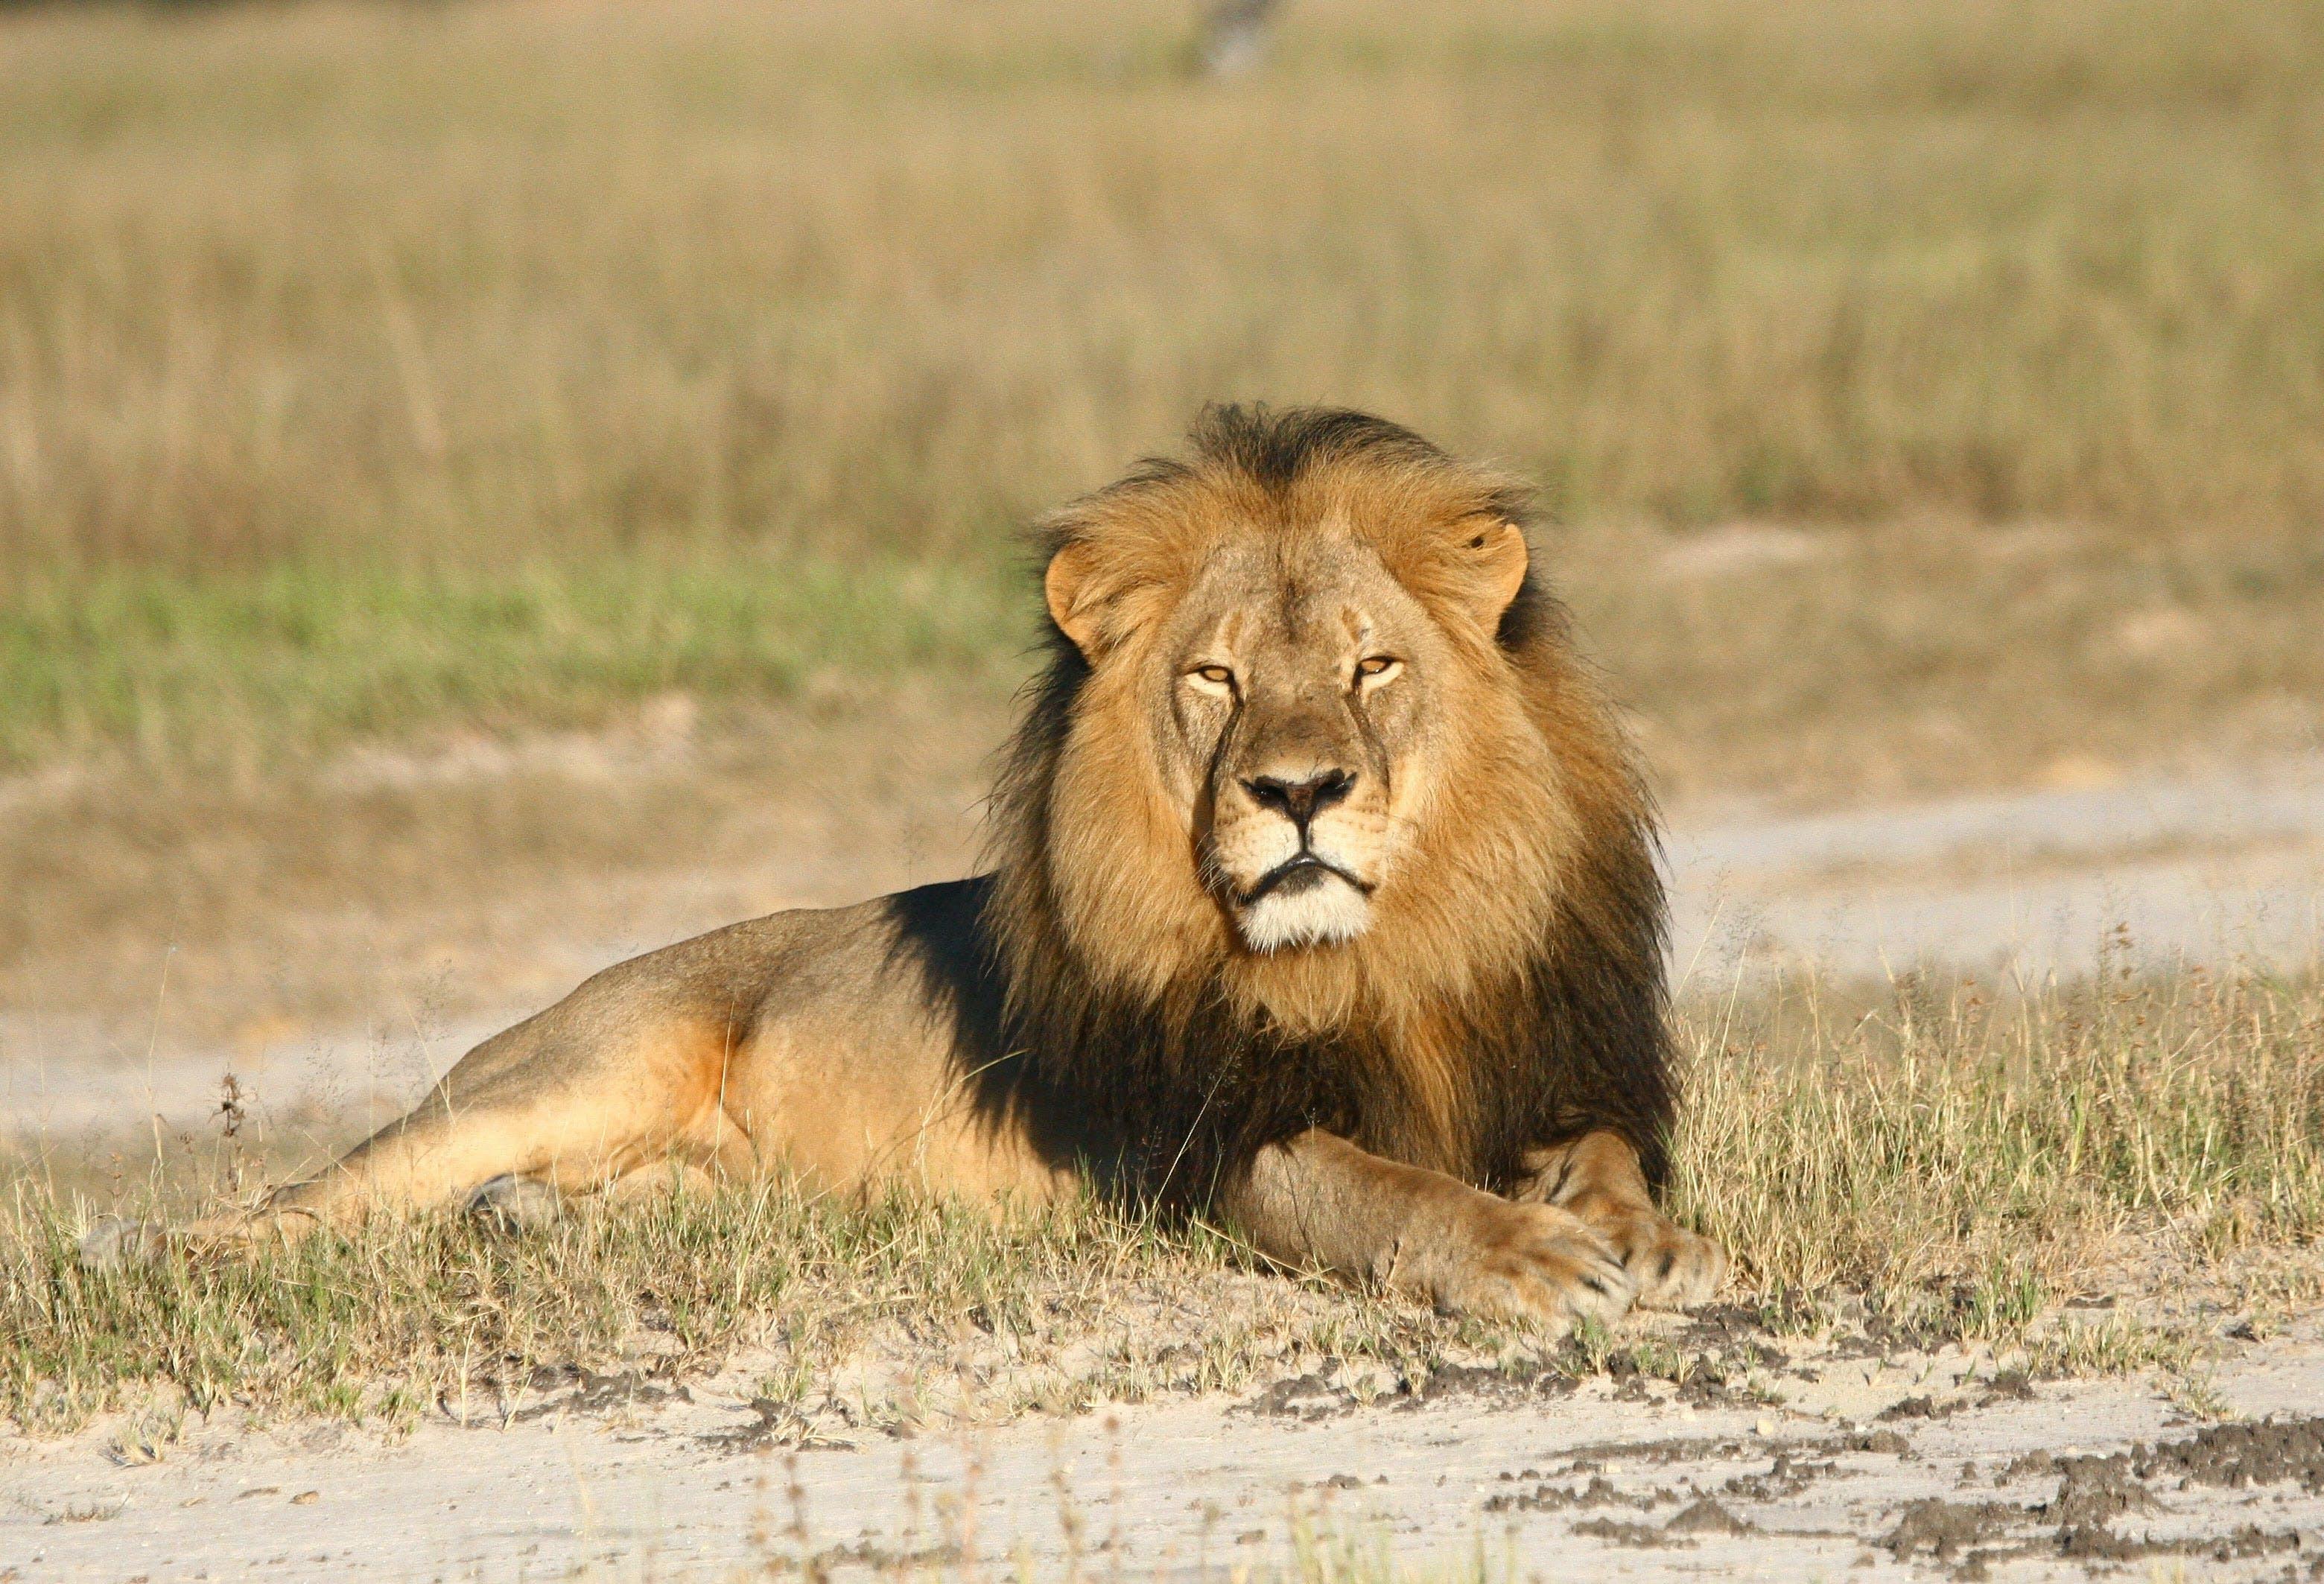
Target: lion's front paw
point(1672, 1267)
point(1531, 1263)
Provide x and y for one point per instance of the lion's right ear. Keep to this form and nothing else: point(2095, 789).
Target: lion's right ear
point(1074, 599)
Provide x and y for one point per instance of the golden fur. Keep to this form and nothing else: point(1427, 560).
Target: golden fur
point(1323, 897)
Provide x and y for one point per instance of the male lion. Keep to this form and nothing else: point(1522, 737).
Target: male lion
point(1323, 900)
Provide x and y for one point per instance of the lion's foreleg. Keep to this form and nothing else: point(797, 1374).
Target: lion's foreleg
point(1597, 1177)
point(1318, 1199)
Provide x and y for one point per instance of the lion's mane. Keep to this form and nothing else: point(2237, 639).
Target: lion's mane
point(1502, 1011)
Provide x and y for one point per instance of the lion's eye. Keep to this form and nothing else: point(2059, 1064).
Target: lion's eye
point(1377, 667)
point(1212, 676)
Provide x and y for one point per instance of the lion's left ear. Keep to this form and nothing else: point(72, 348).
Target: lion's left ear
point(1493, 558)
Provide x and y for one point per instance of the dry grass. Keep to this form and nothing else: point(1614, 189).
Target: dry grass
point(447, 301)
point(1956, 1165)
point(833, 1305)
point(395, 891)
point(506, 278)
point(1964, 1159)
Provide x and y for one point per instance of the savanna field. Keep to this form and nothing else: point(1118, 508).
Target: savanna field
point(371, 369)
point(1925, 400)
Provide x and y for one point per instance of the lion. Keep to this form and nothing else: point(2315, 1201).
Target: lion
point(1322, 900)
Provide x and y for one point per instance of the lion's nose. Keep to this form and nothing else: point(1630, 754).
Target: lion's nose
point(1300, 801)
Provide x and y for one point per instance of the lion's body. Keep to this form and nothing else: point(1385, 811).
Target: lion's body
point(1323, 894)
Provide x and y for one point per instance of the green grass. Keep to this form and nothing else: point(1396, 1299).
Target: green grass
point(298, 659)
point(383, 1322)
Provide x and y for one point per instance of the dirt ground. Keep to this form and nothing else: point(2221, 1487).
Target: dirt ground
point(1842, 1459)
point(382, 943)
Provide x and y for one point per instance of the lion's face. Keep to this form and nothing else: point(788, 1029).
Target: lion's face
point(1295, 702)
point(1298, 734)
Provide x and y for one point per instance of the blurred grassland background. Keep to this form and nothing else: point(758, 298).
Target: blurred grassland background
point(1923, 395)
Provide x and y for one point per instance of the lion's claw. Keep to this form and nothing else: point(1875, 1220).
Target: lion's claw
point(1597, 1177)
point(513, 1205)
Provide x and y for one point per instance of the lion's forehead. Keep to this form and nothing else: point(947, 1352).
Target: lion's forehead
point(1302, 627)
point(1312, 599)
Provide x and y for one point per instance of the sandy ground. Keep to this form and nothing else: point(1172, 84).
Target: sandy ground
point(2026, 884)
point(1851, 1462)
point(1843, 1459)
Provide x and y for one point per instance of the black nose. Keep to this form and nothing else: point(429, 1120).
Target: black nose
point(1300, 801)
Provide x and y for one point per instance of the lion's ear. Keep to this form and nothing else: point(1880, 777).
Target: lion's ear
point(1496, 556)
point(1073, 597)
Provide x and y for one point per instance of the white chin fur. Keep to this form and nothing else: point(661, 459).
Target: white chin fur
point(1321, 916)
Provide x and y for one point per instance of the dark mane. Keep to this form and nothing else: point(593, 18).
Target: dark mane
point(1174, 1096)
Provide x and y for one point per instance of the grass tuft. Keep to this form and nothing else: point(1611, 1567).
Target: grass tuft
point(411, 1311)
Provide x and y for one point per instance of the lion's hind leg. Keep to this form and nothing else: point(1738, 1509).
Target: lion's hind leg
point(561, 1112)
point(1598, 1178)
point(548, 1108)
